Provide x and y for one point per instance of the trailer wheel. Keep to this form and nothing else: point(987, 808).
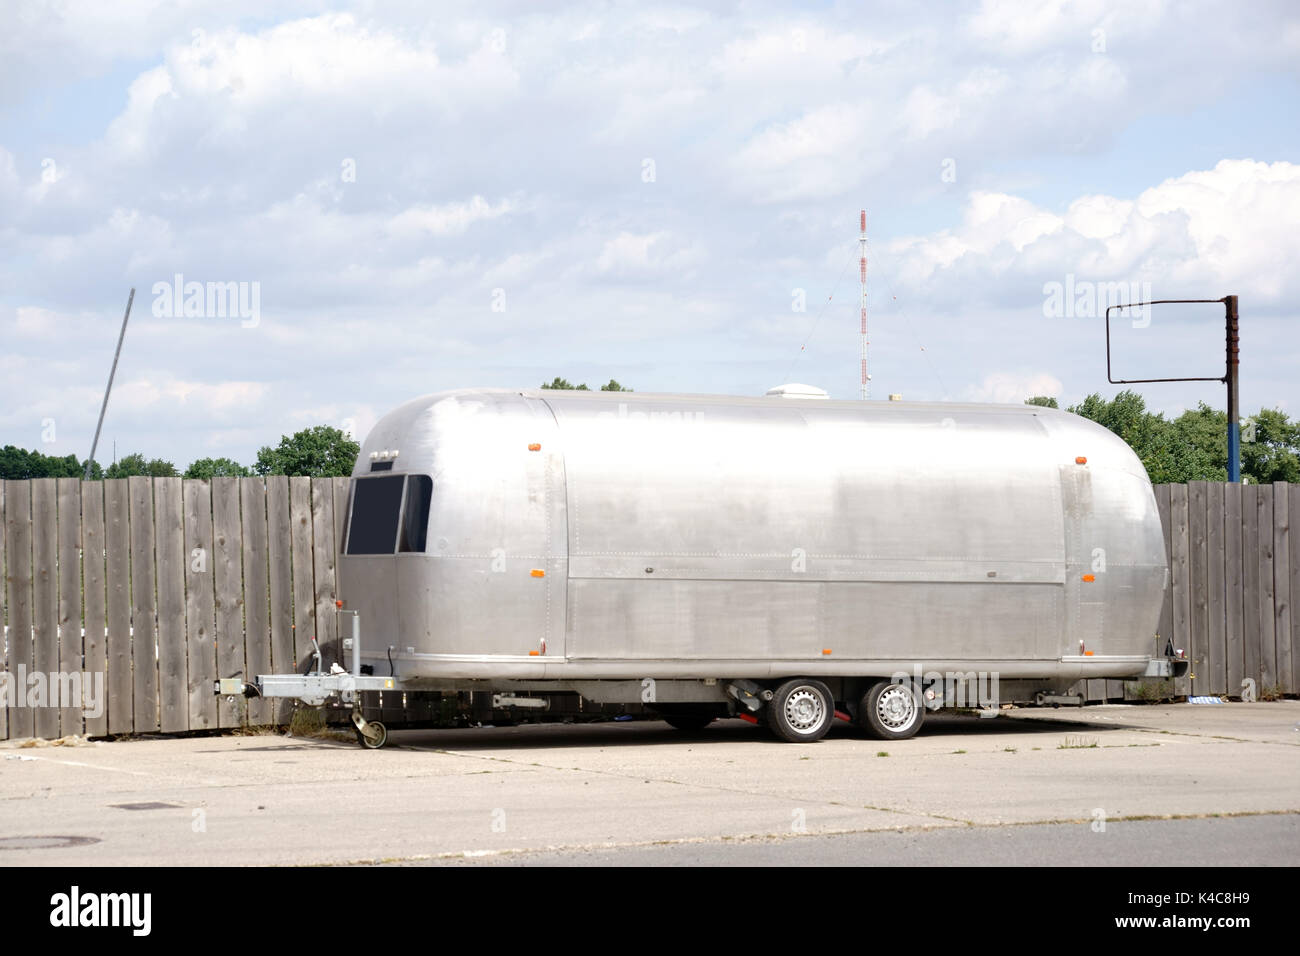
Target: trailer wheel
point(801, 711)
point(380, 738)
point(891, 711)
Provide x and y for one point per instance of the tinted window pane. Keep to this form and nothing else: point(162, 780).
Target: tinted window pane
point(415, 520)
point(376, 503)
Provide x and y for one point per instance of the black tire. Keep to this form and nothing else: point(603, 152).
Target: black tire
point(801, 711)
point(890, 711)
point(379, 741)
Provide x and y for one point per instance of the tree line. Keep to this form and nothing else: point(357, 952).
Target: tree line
point(319, 452)
point(1194, 446)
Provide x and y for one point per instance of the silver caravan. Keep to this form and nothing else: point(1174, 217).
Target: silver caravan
point(781, 559)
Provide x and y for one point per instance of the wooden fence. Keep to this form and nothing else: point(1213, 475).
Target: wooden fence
point(1235, 574)
point(162, 585)
point(224, 577)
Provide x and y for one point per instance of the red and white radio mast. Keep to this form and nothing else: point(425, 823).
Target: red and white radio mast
point(862, 242)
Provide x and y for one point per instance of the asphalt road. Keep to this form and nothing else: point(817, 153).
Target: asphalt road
point(1195, 841)
point(1180, 784)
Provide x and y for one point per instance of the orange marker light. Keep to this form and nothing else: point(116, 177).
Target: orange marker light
point(534, 653)
point(1087, 653)
point(1081, 460)
point(1089, 577)
point(537, 573)
point(826, 651)
point(338, 603)
point(535, 446)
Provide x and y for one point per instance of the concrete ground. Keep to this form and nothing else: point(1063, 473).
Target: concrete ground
point(1173, 784)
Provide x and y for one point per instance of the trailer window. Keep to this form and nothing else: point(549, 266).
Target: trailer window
point(376, 505)
point(389, 513)
point(415, 516)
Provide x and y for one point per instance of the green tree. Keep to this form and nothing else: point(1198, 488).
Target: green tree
point(558, 382)
point(564, 383)
point(1148, 434)
point(217, 468)
point(319, 452)
point(1201, 435)
point(1270, 447)
point(1194, 446)
point(17, 464)
point(135, 464)
point(1044, 401)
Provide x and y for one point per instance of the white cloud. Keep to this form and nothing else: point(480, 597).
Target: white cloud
point(1228, 227)
point(1013, 388)
point(448, 219)
point(630, 254)
point(176, 396)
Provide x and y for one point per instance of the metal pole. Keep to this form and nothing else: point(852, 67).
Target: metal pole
point(1234, 424)
point(356, 643)
point(113, 371)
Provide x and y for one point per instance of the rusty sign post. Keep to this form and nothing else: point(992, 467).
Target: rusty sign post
point(1229, 376)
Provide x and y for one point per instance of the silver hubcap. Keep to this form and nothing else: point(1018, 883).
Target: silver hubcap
point(896, 707)
point(805, 711)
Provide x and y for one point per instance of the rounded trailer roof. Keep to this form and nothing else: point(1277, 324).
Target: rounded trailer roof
point(413, 424)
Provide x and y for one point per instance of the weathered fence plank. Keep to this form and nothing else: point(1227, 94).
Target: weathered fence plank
point(200, 606)
point(340, 488)
point(117, 545)
point(1215, 628)
point(1180, 581)
point(257, 624)
point(1267, 621)
point(1199, 577)
point(1282, 584)
point(1294, 560)
point(1250, 581)
point(45, 602)
point(304, 587)
point(280, 573)
point(71, 659)
point(18, 532)
point(169, 537)
point(227, 569)
point(1234, 654)
point(95, 611)
point(144, 606)
point(323, 562)
point(1165, 626)
point(4, 606)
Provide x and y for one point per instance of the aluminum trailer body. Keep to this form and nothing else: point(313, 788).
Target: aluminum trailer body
point(507, 539)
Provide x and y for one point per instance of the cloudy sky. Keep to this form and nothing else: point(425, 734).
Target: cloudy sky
point(413, 197)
